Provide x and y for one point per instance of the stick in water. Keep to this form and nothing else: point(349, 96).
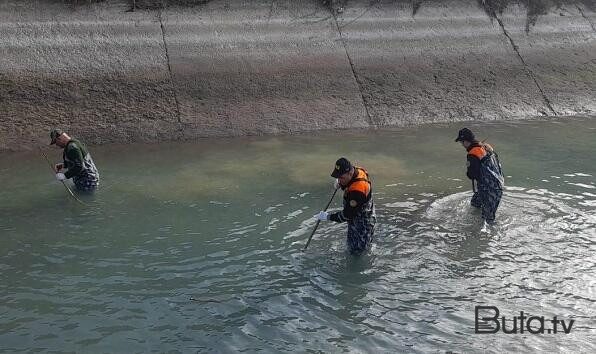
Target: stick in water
point(64, 184)
point(318, 221)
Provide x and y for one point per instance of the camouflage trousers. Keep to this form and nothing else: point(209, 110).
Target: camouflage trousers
point(361, 230)
point(86, 184)
point(488, 199)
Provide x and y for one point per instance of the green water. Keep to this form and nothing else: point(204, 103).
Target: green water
point(195, 247)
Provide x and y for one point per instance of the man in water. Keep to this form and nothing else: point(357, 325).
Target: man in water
point(484, 168)
point(77, 164)
point(358, 207)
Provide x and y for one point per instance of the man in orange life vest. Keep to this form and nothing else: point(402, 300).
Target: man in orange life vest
point(484, 168)
point(358, 207)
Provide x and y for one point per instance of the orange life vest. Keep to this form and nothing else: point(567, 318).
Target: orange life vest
point(359, 182)
point(478, 152)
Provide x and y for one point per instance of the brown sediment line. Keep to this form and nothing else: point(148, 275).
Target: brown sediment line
point(228, 68)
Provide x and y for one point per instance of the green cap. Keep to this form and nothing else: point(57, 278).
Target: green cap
point(54, 134)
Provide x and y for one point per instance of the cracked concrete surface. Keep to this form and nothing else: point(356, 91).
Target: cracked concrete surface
point(449, 62)
point(167, 54)
point(530, 72)
point(371, 122)
point(97, 71)
point(590, 19)
point(560, 51)
point(253, 68)
point(256, 67)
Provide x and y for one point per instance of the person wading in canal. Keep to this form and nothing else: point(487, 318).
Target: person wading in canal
point(358, 206)
point(77, 164)
point(484, 168)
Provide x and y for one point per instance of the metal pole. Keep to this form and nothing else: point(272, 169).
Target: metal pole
point(318, 221)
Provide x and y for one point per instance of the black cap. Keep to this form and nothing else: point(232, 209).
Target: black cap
point(54, 134)
point(465, 134)
point(341, 166)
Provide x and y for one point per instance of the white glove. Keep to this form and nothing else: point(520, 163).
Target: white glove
point(335, 183)
point(60, 176)
point(322, 216)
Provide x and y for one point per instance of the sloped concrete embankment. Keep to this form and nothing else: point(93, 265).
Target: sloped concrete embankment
point(251, 67)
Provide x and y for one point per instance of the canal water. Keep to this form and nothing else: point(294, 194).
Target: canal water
point(196, 247)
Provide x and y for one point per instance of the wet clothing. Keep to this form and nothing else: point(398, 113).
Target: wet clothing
point(488, 199)
point(358, 211)
point(80, 166)
point(485, 168)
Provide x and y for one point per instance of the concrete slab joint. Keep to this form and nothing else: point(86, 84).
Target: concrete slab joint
point(167, 54)
point(369, 118)
point(528, 69)
point(231, 68)
point(581, 11)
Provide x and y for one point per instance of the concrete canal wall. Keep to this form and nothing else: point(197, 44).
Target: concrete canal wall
point(225, 68)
